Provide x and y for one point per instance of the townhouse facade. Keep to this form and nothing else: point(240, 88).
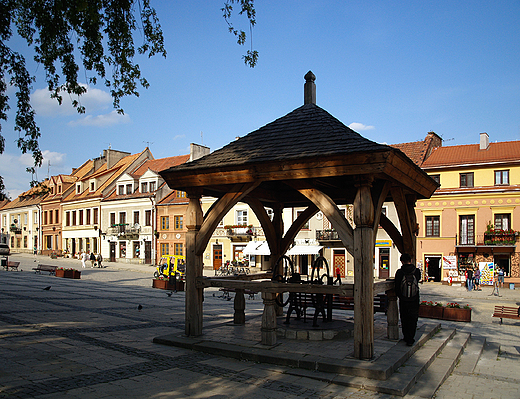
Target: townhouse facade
point(473, 217)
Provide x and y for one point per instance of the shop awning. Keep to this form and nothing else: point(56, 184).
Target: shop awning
point(256, 248)
point(304, 250)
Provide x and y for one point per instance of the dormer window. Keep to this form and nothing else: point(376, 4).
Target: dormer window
point(59, 189)
point(152, 186)
point(92, 186)
point(78, 188)
point(144, 187)
point(121, 189)
point(129, 189)
point(52, 190)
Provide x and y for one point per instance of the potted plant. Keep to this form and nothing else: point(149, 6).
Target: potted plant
point(431, 310)
point(165, 284)
point(68, 273)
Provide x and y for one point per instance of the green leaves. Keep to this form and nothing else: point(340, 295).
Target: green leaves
point(246, 7)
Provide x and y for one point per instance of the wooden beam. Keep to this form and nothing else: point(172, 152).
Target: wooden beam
point(405, 220)
point(296, 226)
point(392, 231)
point(264, 219)
point(218, 210)
point(325, 204)
point(379, 195)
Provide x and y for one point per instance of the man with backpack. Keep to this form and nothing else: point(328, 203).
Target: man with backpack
point(407, 289)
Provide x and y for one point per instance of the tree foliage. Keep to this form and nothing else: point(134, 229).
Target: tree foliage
point(100, 33)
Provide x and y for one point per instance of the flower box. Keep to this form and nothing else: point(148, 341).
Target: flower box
point(64, 273)
point(431, 312)
point(165, 285)
point(457, 314)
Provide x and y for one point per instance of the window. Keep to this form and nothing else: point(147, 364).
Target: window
point(95, 245)
point(45, 217)
point(152, 186)
point(165, 222)
point(74, 218)
point(466, 179)
point(25, 241)
point(80, 212)
point(78, 188)
point(59, 189)
point(165, 249)
point(95, 215)
point(35, 218)
point(270, 213)
point(52, 190)
point(467, 230)
point(148, 217)
point(120, 189)
point(56, 216)
point(179, 222)
point(437, 178)
point(122, 249)
point(136, 217)
point(137, 249)
point(112, 219)
point(178, 249)
point(50, 217)
point(502, 221)
point(501, 177)
point(433, 226)
point(87, 216)
point(144, 187)
point(242, 218)
point(122, 217)
point(67, 218)
point(92, 186)
point(129, 189)
point(181, 194)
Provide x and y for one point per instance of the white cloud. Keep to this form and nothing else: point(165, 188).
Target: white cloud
point(179, 136)
point(356, 126)
point(113, 118)
point(92, 100)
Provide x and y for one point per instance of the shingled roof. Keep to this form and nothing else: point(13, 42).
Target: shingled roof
point(307, 132)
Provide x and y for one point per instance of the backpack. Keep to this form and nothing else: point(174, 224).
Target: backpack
point(409, 285)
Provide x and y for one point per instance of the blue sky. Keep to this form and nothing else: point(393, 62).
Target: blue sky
point(391, 70)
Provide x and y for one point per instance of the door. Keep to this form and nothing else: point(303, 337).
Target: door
point(339, 263)
point(433, 265)
point(112, 252)
point(217, 257)
point(304, 265)
point(148, 252)
point(384, 263)
point(73, 246)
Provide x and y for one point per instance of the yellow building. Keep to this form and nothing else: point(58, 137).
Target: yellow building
point(473, 215)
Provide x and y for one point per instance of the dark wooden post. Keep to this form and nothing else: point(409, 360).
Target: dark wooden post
point(363, 273)
point(194, 266)
point(392, 316)
point(240, 306)
point(269, 319)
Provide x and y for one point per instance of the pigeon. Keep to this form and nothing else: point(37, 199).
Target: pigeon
point(169, 293)
point(47, 288)
point(139, 307)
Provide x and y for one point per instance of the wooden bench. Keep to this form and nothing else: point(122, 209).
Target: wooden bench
point(226, 291)
point(11, 265)
point(506, 312)
point(45, 268)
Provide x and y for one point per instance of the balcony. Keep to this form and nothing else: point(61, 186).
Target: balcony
point(327, 235)
point(240, 233)
point(15, 229)
point(489, 239)
point(124, 230)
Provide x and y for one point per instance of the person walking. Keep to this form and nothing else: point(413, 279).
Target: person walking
point(92, 260)
point(476, 279)
point(99, 260)
point(407, 279)
point(469, 278)
point(501, 274)
point(84, 259)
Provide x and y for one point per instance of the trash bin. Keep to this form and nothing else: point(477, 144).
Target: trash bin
point(3, 262)
point(511, 286)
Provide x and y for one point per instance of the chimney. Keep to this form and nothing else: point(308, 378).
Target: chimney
point(484, 141)
point(309, 89)
point(197, 151)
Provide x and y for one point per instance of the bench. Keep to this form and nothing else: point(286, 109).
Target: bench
point(11, 265)
point(226, 291)
point(506, 312)
point(304, 301)
point(45, 268)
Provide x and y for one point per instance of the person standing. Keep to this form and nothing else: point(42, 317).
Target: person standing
point(469, 278)
point(476, 279)
point(501, 274)
point(84, 259)
point(407, 279)
point(92, 260)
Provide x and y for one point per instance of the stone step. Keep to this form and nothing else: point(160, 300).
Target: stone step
point(441, 367)
point(471, 356)
point(404, 378)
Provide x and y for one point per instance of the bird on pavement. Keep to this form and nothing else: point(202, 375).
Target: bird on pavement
point(169, 293)
point(47, 288)
point(139, 307)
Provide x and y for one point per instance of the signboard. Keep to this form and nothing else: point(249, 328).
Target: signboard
point(449, 262)
point(487, 270)
point(384, 243)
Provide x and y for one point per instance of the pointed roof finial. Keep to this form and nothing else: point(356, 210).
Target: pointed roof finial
point(309, 89)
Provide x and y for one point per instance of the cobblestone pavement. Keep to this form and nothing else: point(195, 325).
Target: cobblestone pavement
point(88, 339)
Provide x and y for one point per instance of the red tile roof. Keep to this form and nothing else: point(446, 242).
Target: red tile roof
point(157, 165)
point(418, 151)
point(471, 154)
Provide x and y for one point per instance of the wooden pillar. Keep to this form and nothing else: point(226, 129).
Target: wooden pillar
point(363, 273)
point(194, 266)
point(276, 249)
point(240, 306)
point(269, 319)
point(392, 316)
